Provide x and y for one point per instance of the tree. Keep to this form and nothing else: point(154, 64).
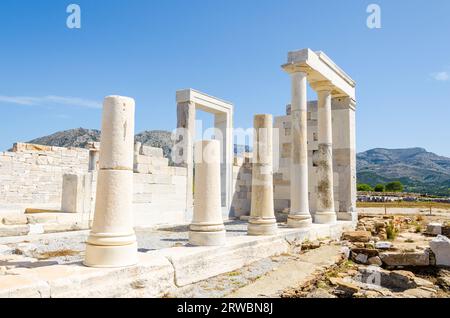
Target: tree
point(395, 186)
point(379, 188)
point(364, 187)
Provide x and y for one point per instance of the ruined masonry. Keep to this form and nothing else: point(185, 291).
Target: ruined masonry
point(334, 132)
point(117, 186)
point(315, 175)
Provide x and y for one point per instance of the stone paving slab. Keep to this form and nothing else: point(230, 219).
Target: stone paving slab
point(160, 271)
point(152, 277)
point(293, 273)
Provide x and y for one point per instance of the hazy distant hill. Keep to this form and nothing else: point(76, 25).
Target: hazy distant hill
point(418, 169)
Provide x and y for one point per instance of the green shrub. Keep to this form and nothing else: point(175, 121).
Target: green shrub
point(379, 188)
point(364, 187)
point(395, 186)
point(391, 231)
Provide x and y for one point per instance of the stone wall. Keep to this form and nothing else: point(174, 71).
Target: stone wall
point(159, 189)
point(344, 164)
point(281, 177)
point(32, 175)
point(242, 185)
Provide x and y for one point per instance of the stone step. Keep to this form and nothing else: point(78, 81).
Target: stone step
point(291, 274)
point(41, 228)
point(163, 271)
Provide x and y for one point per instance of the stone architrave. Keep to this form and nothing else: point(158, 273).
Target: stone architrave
point(207, 228)
point(112, 241)
point(262, 216)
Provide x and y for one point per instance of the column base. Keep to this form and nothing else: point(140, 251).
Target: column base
point(258, 227)
point(325, 217)
point(347, 216)
point(111, 256)
point(216, 238)
point(299, 221)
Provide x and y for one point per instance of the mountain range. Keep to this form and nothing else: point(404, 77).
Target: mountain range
point(419, 170)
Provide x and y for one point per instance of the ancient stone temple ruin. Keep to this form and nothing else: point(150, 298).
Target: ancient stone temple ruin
point(326, 137)
point(302, 173)
point(316, 140)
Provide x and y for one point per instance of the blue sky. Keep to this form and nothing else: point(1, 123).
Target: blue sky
point(53, 78)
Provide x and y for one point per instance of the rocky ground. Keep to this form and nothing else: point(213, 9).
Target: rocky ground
point(388, 256)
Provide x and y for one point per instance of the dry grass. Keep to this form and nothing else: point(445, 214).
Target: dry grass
point(403, 204)
point(235, 273)
point(60, 253)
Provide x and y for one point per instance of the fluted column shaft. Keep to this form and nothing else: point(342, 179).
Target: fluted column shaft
point(207, 228)
point(299, 215)
point(262, 216)
point(112, 241)
point(325, 191)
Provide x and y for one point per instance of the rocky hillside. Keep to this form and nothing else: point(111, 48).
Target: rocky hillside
point(418, 169)
point(80, 137)
point(157, 138)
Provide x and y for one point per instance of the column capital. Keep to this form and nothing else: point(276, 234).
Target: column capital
point(293, 68)
point(322, 86)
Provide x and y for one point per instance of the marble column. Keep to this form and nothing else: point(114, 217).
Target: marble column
point(299, 215)
point(344, 156)
point(262, 216)
point(93, 159)
point(183, 150)
point(112, 241)
point(325, 197)
point(207, 228)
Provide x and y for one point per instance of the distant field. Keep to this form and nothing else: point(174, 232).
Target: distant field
point(403, 204)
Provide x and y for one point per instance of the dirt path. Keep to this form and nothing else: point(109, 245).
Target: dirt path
point(293, 273)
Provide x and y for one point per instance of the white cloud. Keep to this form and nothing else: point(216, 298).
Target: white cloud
point(49, 100)
point(441, 76)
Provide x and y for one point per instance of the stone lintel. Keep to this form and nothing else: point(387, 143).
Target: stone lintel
point(320, 67)
point(204, 101)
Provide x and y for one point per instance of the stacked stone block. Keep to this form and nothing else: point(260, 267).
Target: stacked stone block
point(282, 175)
point(242, 185)
point(160, 198)
point(33, 174)
point(150, 160)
